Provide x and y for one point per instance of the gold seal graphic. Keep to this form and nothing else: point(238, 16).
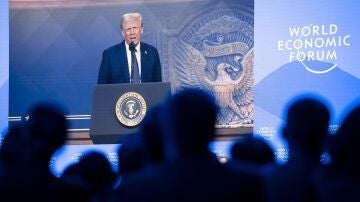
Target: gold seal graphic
point(130, 109)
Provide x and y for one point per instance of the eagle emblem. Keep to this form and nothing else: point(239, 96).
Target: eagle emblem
point(218, 57)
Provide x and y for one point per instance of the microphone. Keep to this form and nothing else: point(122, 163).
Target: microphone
point(132, 46)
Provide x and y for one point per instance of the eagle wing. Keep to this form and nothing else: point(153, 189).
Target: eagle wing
point(191, 67)
point(243, 94)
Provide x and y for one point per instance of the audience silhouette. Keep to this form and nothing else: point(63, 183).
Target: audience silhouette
point(341, 181)
point(305, 130)
point(13, 151)
point(168, 159)
point(251, 149)
point(190, 171)
point(152, 135)
point(92, 176)
point(251, 154)
point(131, 156)
point(39, 137)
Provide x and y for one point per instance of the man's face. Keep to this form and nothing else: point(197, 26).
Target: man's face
point(132, 30)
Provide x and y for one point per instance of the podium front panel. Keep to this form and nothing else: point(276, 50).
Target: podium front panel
point(105, 128)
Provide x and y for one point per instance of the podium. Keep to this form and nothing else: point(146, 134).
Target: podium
point(106, 117)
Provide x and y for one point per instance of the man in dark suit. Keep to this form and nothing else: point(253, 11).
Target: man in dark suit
point(117, 65)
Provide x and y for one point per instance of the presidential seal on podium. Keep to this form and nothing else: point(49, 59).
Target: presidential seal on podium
point(130, 109)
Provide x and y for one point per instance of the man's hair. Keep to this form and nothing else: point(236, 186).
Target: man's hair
point(128, 16)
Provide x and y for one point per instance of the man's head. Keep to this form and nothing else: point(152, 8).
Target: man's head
point(189, 121)
point(131, 27)
point(307, 124)
point(46, 129)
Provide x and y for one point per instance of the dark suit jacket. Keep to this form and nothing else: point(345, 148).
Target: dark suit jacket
point(114, 65)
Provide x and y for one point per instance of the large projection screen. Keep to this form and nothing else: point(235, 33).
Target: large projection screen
point(304, 47)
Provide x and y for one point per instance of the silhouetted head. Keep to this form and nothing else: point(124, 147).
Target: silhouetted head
point(95, 169)
point(344, 148)
point(131, 155)
point(191, 119)
point(46, 129)
point(152, 136)
point(14, 148)
point(253, 150)
point(306, 125)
